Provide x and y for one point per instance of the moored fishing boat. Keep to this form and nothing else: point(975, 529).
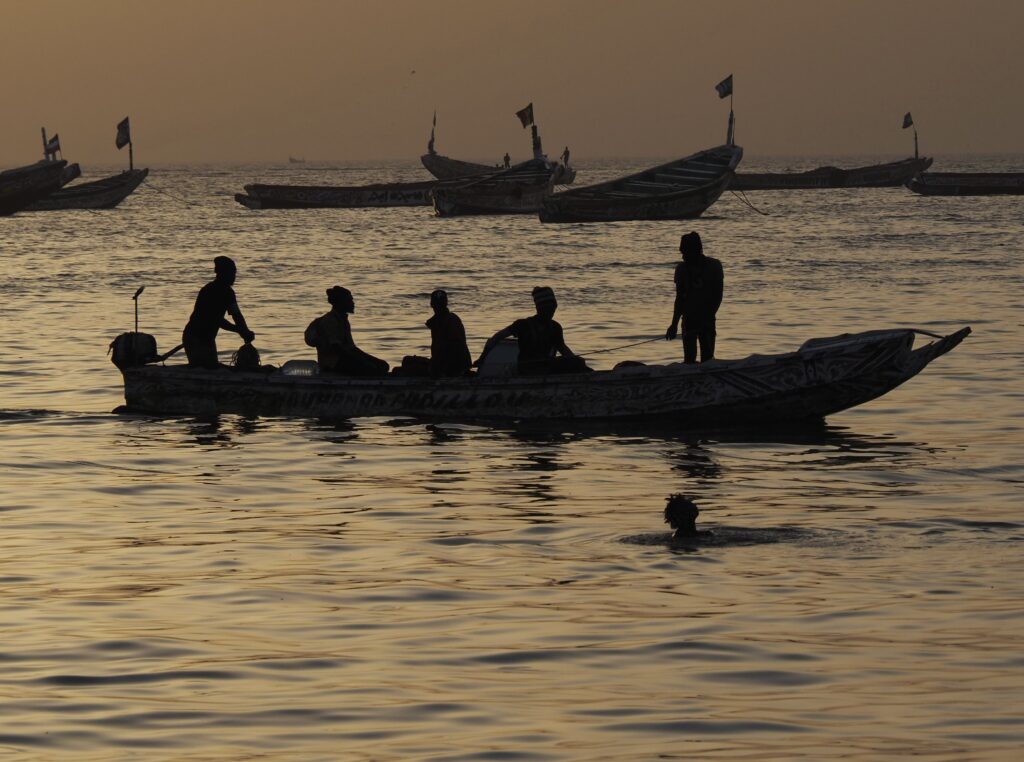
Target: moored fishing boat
point(263, 196)
point(22, 186)
point(824, 376)
point(968, 184)
point(676, 190)
point(97, 194)
point(519, 190)
point(872, 176)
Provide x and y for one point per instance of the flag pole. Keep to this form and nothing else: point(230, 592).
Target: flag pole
point(915, 142)
point(46, 155)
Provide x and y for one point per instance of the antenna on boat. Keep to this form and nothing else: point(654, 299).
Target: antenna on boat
point(135, 298)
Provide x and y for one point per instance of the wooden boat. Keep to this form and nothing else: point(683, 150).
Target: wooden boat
point(97, 194)
point(519, 190)
point(874, 176)
point(824, 376)
point(260, 196)
point(22, 186)
point(677, 190)
point(444, 168)
point(968, 183)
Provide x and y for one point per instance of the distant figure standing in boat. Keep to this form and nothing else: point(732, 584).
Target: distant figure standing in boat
point(214, 300)
point(699, 283)
point(565, 156)
point(331, 334)
point(449, 353)
point(508, 160)
point(540, 339)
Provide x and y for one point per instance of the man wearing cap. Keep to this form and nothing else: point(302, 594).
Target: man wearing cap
point(540, 338)
point(699, 284)
point(214, 300)
point(331, 334)
point(449, 354)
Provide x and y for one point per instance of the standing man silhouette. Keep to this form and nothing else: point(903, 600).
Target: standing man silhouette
point(699, 284)
point(214, 300)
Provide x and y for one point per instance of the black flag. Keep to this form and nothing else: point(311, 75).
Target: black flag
point(908, 120)
point(526, 115)
point(53, 145)
point(724, 87)
point(124, 134)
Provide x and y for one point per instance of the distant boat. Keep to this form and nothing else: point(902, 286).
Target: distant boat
point(873, 176)
point(677, 190)
point(261, 196)
point(97, 194)
point(293, 160)
point(968, 184)
point(22, 186)
point(519, 190)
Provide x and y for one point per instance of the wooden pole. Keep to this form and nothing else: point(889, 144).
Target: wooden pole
point(131, 157)
point(915, 143)
point(46, 155)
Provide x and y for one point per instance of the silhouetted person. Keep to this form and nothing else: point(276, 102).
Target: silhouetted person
point(214, 300)
point(331, 334)
point(540, 338)
point(699, 283)
point(681, 514)
point(449, 354)
point(565, 156)
point(508, 160)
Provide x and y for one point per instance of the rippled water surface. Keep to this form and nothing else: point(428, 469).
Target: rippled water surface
point(387, 589)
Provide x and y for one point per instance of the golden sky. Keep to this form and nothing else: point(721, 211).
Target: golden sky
point(258, 80)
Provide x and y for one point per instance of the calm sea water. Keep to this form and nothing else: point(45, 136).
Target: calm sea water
point(391, 589)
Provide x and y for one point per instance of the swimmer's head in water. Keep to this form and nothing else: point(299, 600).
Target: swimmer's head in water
point(681, 514)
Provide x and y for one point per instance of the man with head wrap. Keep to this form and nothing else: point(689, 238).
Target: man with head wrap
point(699, 284)
point(214, 300)
point(449, 354)
point(331, 334)
point(540, 339)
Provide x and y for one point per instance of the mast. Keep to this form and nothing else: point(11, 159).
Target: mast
point(730, 137)
point(46, 155)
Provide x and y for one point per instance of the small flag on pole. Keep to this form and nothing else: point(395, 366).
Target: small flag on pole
point(724, 87)
point(526, 115)
point(908, 120)
point(53, 145)
point(124, 134)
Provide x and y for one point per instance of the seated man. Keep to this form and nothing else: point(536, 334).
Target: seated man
point(449, 354)
point(540, 338)
point(331, 334)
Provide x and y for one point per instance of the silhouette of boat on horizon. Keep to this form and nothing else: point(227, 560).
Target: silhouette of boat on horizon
point(968, 184)
point(105, 193)
point(269, 196)
point(823, 377)
point(872, 176)
point(679, 189)
point(22, 186)
point(519, 190)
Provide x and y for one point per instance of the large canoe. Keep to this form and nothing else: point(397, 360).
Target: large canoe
point(968, 184)
point(874, 176)
point(677, 190)
point(98, 194)
point(824, 376)
point(22, 186)
point(445, 168)
point(519, 190)
point(260, 196)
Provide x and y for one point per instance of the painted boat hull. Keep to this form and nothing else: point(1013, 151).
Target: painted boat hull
point(968, 184)
point(679, 190)
point(98, 194)
point(261, 196)
point(519, 190)
point(823, 377)
point(874, 176)
point(22, 186)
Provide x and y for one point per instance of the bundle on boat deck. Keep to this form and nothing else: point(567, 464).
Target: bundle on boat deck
point(824, 376)
point(22, 186)
point(676, 190)
point(261, 196)
point(968, 184)
point(519, 190)
point(97, 194)
point(873, 176)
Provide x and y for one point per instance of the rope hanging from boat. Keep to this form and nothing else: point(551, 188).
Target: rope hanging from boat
point(624, 346)
point(743, 197)
point(176, 197)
